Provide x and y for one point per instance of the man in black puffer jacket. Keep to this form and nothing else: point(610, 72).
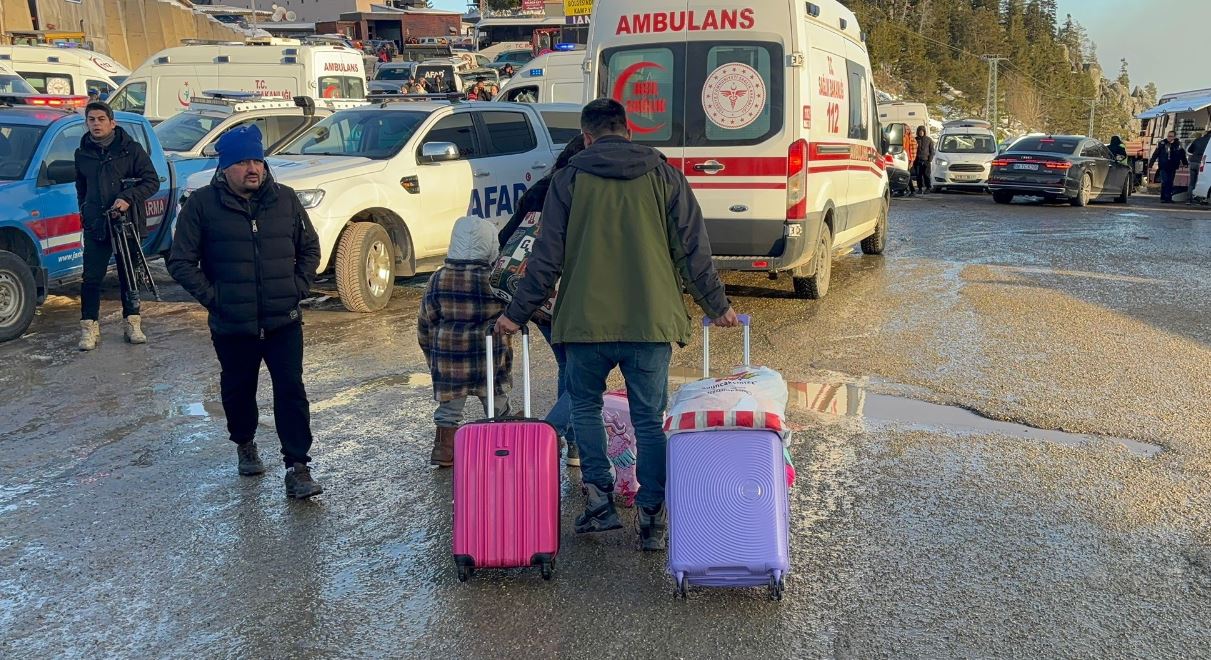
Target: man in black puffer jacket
point(246, 249)
point(106, 158)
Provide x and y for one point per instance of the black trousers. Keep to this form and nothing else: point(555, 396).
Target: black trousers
point(282, 352)
point(96, 262)
point(1167, 177)
point(921, 173)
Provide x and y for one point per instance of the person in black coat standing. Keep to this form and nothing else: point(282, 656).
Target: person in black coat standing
point(1169, 156)
point(925, 153)
point(113, 173)
point(246, 249)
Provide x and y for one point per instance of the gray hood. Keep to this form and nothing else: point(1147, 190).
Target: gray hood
point(473, 239)
point(614, 157)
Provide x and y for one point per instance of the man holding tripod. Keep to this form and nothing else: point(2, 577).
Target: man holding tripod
point(114, 177)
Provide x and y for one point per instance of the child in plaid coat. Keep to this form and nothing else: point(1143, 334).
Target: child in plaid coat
point(457, 311)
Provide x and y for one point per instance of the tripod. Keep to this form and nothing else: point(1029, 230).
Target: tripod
point(128, 252)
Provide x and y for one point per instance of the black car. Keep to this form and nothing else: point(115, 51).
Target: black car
point(1053, 167)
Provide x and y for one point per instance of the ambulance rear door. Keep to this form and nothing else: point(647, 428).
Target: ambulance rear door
point(642, 64)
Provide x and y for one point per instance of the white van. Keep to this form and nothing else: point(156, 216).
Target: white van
point(964, 154)
point(904, 112)
point(768, 109)
point(64, 71)
point(161, 86)
point(556, 77)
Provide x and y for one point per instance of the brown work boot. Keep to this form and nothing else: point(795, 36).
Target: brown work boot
point(90, 335)
point(443, 447)
point(133, 329)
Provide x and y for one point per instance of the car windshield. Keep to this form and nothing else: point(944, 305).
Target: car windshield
point(514, 57)
point(1048, 145)
point(13, 84)
point(964, 143)
point(183, 131)
point(374, 134)
point(17, 146)
point(394, 73)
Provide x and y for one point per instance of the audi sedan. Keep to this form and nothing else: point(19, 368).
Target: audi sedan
point(1059, 167)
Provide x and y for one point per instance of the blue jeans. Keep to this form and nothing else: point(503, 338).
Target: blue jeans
point(645, 368)
point(561, 413)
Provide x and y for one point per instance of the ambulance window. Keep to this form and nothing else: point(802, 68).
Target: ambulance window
point(643, 79)
point(859, 102)
point(103, 88)
point(457, 128)
point(527, 94)
point(62, 147)
point(342, 87)
point(133, 98)
point(509, 133)
point(48, 83)
point(736, 93)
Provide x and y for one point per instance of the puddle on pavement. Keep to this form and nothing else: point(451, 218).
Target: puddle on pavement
point(850, 400)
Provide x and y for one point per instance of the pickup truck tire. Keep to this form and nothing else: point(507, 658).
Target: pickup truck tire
point(18, 297)
point(365, 267)
point(877, 242)
point(815, 286)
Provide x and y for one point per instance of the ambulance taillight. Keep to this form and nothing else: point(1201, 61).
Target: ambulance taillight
point(796, 181)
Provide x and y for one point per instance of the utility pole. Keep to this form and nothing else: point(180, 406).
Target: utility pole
point(1092, 110)
point(993, 96)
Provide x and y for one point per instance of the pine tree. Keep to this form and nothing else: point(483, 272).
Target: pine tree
point(1123, 78)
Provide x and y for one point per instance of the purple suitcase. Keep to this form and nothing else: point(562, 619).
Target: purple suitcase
point(729, 509)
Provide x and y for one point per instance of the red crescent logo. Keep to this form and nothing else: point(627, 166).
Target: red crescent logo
point(183, 96)
point(620, 87)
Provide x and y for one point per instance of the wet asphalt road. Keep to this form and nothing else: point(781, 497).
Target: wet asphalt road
point(918, 530)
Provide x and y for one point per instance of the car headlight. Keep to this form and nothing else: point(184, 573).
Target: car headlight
point(310, 198)
point(943, 163)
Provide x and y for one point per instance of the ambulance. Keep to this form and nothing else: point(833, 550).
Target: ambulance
point(557, 77)
point(64, 71)
point(768, 108)
point(285, 68)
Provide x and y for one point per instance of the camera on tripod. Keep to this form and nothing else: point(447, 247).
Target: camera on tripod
point(128, 247)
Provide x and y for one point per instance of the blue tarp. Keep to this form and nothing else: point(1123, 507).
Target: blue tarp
point(1178, 105)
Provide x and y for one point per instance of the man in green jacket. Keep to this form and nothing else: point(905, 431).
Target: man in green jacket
point(621, 233)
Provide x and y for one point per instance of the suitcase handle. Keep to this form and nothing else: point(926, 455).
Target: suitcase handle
point(489, 337)
point(745, 320)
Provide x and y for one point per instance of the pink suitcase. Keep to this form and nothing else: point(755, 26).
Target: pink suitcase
point(620, 445)
point(506, 487)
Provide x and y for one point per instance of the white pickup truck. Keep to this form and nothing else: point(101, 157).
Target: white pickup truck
point(383, 184)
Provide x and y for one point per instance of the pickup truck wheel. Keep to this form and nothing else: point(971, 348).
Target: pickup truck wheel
point(365, 267)
point(815, 286)
point(877, 242)
point(18, 297)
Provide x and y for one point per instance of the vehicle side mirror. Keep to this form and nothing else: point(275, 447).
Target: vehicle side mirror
point(439, 152)
point(59, 172)
point(210, 151)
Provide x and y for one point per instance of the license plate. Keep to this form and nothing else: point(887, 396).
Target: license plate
point(1026, 166)
point(966, 177)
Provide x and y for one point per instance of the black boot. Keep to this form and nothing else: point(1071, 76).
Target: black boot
point(299, 483)
point(250, 462)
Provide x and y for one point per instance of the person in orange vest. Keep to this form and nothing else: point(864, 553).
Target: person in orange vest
point(910, 148)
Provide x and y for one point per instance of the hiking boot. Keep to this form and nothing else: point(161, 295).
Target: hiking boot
point(653, 524)
point(599, 513)
point(299, 483)
point(443, 447)
point(250, 461)
point(573, 455)
point(90, 335)
point(133, 329)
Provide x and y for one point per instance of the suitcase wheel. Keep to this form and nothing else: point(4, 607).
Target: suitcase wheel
point(776, 587)
point(548, 569)
point(465, 573)
point(682, 588)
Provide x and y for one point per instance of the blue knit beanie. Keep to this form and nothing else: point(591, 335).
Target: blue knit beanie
point(238, 145)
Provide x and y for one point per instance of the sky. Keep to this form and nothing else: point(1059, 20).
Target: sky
point(1161, 39)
